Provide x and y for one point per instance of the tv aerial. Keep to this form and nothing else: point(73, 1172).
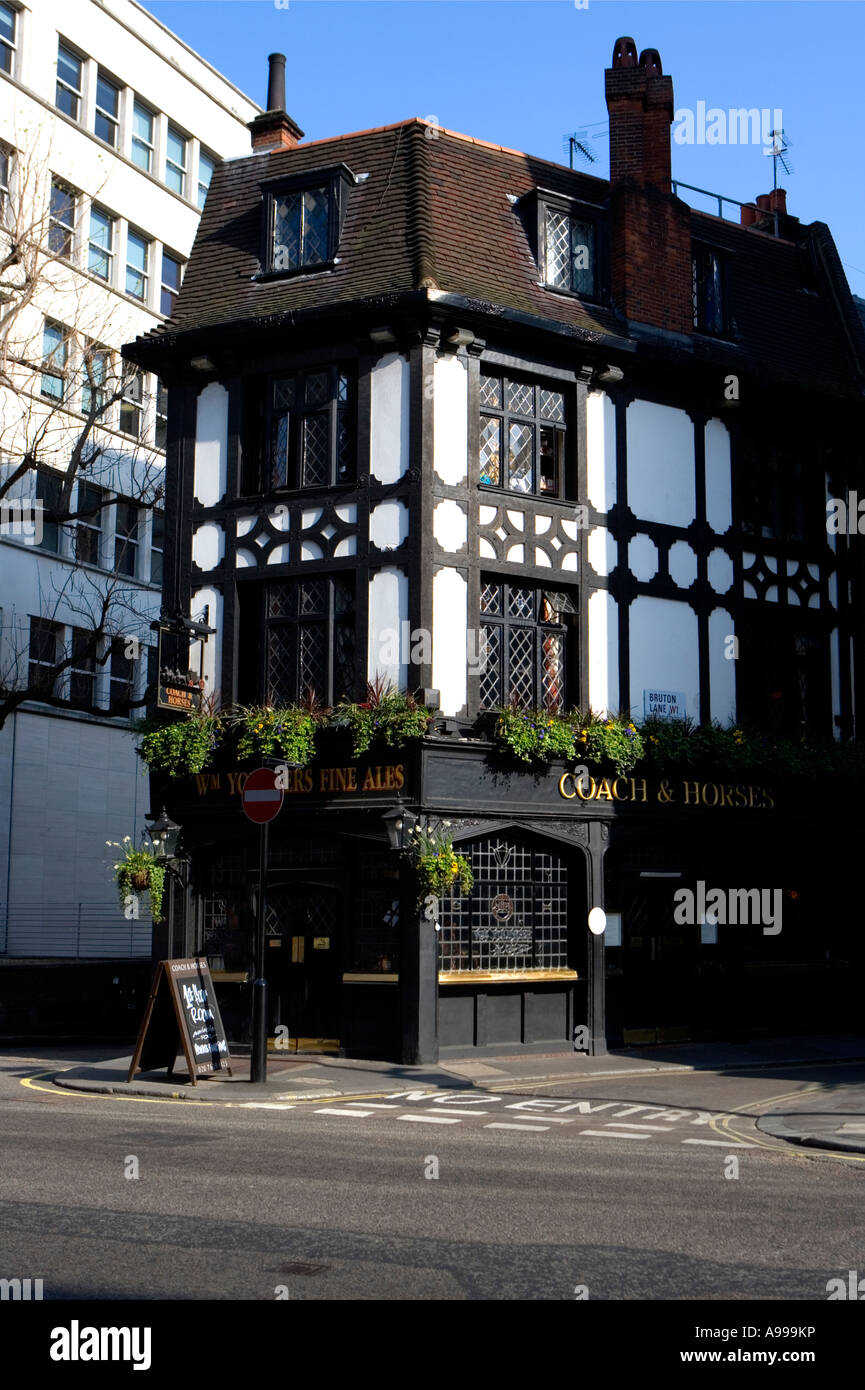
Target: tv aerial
point(781, 143)
point(579, 142)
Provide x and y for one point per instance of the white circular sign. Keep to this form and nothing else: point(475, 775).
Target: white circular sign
point(597, 921)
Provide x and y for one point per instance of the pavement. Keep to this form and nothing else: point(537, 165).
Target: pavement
point(830, 1118)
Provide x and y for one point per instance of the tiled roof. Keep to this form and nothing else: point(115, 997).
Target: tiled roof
point(437, 213)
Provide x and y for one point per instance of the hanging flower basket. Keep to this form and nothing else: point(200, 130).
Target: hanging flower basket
point(139, 871)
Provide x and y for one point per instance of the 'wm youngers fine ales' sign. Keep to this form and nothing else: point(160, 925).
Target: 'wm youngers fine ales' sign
point(309, 781)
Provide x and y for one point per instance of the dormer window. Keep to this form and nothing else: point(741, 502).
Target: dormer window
point(569, 253)
point(708, 290)
point(303, 219)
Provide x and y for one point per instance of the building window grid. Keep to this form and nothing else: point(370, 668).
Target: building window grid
point(126, 537)
point(69, 82)
point(172, 274)
point(137, 265)
point(522, 436)
point(524, 647)
point(142, 137)
point(8, 38)
point(45, 650)
point(55, 355)
point(82, 671)
point(61, 219)
point(88, 532)
point(206, 167)
point(707, 290)
point(100, 246)
point(157, 546)
point(132, 405)
point(161, 416)
point(516, 917)
point(121, 683)
point(5, 178)
point(49, 489)
point(95, 375)
point(106, 123)
point(176, 153)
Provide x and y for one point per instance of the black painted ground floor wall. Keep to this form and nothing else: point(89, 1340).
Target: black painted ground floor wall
point(353, 963)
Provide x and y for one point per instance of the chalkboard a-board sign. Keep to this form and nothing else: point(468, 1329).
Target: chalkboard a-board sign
point(182, 1012)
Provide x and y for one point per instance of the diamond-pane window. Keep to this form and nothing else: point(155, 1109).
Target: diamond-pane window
point(552, 405)
point(491, 598)
point(491, 674)
point(313, 597)
point(529, 421)
point(309, 432)
point(491, 391)
point(524, 654)
point(315, 450)
point(491, 449)
point(521, 602)
point(313, 659)
point(283, 393)
point(520, 461)
point(301, 228)
point(569, 252)
point(316, 388)
point(521, 398)
point(311, 639)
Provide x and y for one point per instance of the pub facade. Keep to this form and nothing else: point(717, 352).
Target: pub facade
point(451, 420)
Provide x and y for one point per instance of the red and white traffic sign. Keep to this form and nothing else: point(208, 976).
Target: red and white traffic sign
point(261, 797)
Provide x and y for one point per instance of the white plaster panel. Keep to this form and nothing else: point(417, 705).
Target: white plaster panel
point(722, 670)
point(450, 420)
point(388, 612)
point(389, 418)
point(244, 525)
point(603, 652)
point(309, 518)
point(542, 559)
point(661, 484)
point(279, 555)
point(683, 564)
point(570, 562)
point(642, 558)
point(720, 571)
point(347, 546)
point(516, 554)
point(208, 546)
point(664, 651)
point(719, 488)
point(487, 515)
point(211, 444)
point(602, 551)
point(212, 648)
point(347, 513)
point(486, 549)
point(450, 636)
point(245, 560)
point(517, 520)
point(388, 525)
point(542, 524)
point(601, 450)
point(311, 550)
point(450, 526)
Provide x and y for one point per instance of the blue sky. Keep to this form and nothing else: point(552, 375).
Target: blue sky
point(524, 73)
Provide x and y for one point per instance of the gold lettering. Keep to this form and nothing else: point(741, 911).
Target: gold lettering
point(618, 795)
point(633, 782)
point(768, 799)
point(351, 779)
point(592, 792)
point(201, 783)
point(565, 777)
point(705, 789)
point(339, 779)
point(604, 793)
point(369, 781)
point(399, 775)
point(741, 798)
point(727, 796)
point(750, 796)
point(688, 794)
point(324, 779)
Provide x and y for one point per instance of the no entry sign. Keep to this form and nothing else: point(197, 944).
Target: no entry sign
point(262, 798)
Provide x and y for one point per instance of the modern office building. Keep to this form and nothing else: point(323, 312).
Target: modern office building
point(510, 436)
point(110, 131)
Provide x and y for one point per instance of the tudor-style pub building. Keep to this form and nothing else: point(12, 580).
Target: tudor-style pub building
point(499, 432)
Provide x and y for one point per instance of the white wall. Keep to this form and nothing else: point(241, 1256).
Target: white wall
point(450, 419)
point(211, 444)
point(722, 668)
point(450, 633)
point(601, 450)
point(388, 646)
point(661, 463)
point(389, 422)
point(664, 652)
point(603, 653)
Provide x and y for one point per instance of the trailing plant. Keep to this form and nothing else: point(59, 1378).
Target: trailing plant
point(387, 716)
point(616, 741)
point(533, 735)
point(139, 869)
point(180, 748)
point(264, 732)
point(439, 870)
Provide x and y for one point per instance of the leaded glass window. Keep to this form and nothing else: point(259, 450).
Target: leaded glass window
point(522, 436)
point(516, 917)
point(707, 290)
point(309, 431)
point(525, 645)
point(310, 639)
point(569, 253)
point(301, 228)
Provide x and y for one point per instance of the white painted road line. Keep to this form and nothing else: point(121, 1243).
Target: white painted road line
point(722, 1143)
point(265, 1105)
point(623, 1124)
point(338, 1110)
point(431, 1119)
point(377, 1105)
point(452, 1110)
point(499, 1124)
point(612, 1134)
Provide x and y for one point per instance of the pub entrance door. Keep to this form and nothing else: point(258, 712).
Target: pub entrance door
point(659, 964)
point(302, 963)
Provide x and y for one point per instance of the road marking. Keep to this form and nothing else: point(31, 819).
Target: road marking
point(452, 1110)
point(379, 1105)
point(333, 1110)
point(431, 1119)
point(612, 1134)
point(264, 1105)
point(719, 1143)
point(500, 1124)
point(624, 1124)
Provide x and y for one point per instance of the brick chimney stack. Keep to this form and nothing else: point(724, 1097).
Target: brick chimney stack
point(274, 129)
point(650, 232)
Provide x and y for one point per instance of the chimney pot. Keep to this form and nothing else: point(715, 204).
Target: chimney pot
point(749, 214)
point(650, 59)
point(764, 202)
point(276, 82)
point(778, 200)
point(624, 53)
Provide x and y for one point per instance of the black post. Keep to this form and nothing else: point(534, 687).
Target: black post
point(597, 984)
point(258, 1067)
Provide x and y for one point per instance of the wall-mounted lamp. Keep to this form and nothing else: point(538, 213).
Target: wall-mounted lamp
point(164, 834)
point(398, 822)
